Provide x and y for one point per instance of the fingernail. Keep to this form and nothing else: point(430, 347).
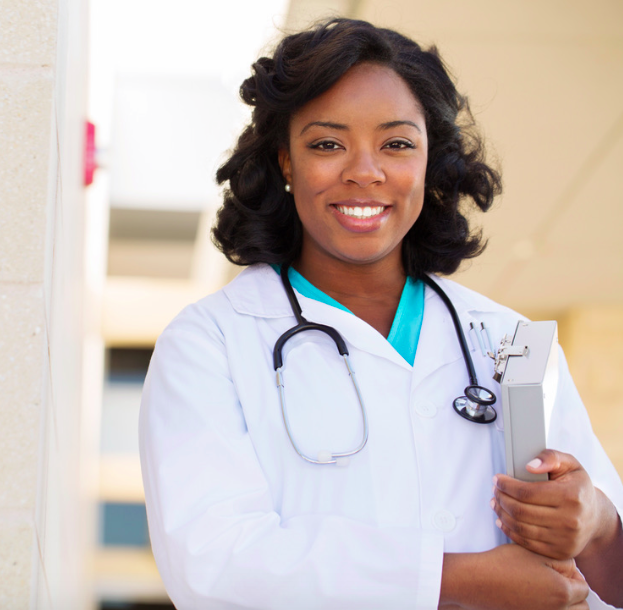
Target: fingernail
point(535, 463)
point(492, 503)
point(495, 481)
point(498, 523)
point(493, 490)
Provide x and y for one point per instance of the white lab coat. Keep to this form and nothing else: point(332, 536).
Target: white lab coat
point(238, 520)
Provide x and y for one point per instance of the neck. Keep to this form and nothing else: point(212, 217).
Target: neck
point(371, 291)
point(365, 281)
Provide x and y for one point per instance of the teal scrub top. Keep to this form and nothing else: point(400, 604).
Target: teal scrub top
point(405, 331)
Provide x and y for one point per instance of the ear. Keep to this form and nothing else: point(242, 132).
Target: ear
point(285, 164)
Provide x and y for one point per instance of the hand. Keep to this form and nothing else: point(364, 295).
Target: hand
point(512, 578)
point(556, 518)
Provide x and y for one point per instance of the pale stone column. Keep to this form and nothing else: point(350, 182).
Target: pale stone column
point(42, 114)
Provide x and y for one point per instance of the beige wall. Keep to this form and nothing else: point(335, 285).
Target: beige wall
point(42, 88)
point(593, 341)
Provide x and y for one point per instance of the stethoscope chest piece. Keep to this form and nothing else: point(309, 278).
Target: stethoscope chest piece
point(476, 405)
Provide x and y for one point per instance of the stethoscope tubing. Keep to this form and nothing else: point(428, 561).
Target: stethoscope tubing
point(301, 326)
point(335, 455)
point(475, 406)
point(473, 379)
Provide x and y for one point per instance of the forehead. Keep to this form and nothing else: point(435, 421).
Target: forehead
point(367, 89)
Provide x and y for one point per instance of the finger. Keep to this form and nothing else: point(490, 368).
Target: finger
point(556, 463)
point(539, 493)
point(534, 538)
point(578, 588)
point(529, 514)
point(524, 535)
point(563, 532)
point(578, 591)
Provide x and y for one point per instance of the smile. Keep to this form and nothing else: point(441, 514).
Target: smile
point(360, 212)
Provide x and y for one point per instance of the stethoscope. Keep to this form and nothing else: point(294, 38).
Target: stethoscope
point(475, 405)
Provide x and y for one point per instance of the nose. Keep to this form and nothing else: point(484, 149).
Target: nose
point(363, 168)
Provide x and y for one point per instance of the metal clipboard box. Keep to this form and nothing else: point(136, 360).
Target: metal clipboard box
point(528, 369)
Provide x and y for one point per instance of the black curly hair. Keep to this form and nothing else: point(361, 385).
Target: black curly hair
point(258, 221)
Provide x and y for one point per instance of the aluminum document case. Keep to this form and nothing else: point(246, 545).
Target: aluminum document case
point(528, 366)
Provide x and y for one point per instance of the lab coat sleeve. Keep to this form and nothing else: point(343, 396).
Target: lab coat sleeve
point(571, 432)
point(219, 542)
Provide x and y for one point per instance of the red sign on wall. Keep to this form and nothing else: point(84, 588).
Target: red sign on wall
point(89, 154)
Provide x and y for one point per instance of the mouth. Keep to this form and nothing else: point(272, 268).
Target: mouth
point(360, 216)
point(360, 211)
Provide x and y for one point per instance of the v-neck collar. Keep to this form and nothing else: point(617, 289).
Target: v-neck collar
point(258, 292)
point(406, 325)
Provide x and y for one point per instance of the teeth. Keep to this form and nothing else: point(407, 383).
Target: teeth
point(358, 212)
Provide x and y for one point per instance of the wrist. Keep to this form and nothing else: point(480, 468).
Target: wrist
point(608, 528)
point(459, 576)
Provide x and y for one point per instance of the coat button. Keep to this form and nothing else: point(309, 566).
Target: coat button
point(426, 409)
point(444, 521)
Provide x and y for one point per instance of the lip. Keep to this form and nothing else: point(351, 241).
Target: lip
point(361, 225)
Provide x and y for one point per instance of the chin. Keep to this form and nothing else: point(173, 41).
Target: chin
point(363, 257)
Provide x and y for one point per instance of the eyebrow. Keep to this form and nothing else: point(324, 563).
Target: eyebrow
point(342, 127)
point(392, 124)
point(329, 124)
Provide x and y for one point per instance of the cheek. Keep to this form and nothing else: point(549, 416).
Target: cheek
point(313, 180)
point(310, 182)
point(410, 179)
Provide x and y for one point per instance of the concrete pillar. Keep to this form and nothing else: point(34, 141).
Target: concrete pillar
point(42, 113)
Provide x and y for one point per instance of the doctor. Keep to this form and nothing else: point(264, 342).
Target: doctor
point(352, 171)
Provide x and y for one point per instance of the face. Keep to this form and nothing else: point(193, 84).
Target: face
point(356, 166)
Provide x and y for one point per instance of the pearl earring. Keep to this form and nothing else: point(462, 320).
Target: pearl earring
point(288, 188)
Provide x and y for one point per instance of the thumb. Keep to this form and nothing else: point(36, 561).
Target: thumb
point(556, 463)
point(565, 567)
point(578, 587)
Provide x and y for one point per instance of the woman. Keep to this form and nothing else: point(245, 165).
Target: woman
point(351, 174)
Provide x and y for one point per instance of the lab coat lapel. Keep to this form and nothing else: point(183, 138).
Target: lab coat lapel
point(258, 291)
point(354, 330)
point(438, 344)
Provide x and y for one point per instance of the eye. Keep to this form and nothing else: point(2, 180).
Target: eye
point(399, 145)
point(327, 145)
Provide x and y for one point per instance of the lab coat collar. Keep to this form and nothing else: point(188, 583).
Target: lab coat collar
point(439, 344)
point(258, 292)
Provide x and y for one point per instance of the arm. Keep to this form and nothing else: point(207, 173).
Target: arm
point(565, 517)
point(512, 578)
point(594, 513)
point(601, 561)
point(217, 535)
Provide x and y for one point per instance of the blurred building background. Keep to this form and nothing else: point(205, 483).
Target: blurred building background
point(164, 95)
point(90, 275)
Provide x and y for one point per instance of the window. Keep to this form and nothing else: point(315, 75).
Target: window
point(123, 524)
